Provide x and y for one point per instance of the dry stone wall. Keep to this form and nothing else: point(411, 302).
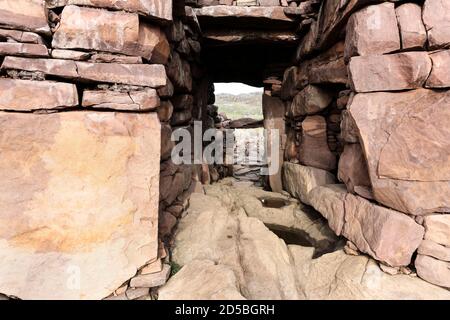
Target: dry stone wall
point(367, 101)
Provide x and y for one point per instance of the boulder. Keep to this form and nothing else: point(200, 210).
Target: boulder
point(437, 228)
point(408, 162)
point(202, 280)
point(372, 30)
point(27, 95)
point(124, 33)
point(145, 100)
point(353, 168)
point(299, 180)
point(435, 250)
point(433, 270)
point(386, 235)
point(74, 212)
point(314, 150)
point(310, 100)
point(160, 10)
point(435, 17)
point(412, 31)
point(28, 15)
point(23, 49)
point(393, 72)
point(439, 77)
point(131, 74)
point(338, 276)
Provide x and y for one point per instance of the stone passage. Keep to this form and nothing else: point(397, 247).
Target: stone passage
point(92, 205)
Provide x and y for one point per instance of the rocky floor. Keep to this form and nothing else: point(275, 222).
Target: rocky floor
point(237, 241)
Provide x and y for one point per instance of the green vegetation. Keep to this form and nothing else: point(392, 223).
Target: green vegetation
point(175, 267)
point(247, 105)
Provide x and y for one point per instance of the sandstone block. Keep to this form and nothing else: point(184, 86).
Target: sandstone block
point(412, 30)
point(88, 194)
point(23, 49)
point(408, 161)
point(433, 270)
point(399, 71)
point(21, 36)
point(435, 250)
point(29, 15)
point(110, 31)
point(372, 30)
point(299, 180)
point(151, 280)
point(437, 228)
point(439, 77)
point(353, 168)
point(310, 100)
point(435, 17)
point(145, 100)
point(179, 72)
point(314, 150)
point(27, 95)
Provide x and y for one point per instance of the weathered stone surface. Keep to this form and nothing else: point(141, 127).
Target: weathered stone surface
point(23, 49)
point(437, 228)
point(412, 31)
point(202, 280)
point(408, 161)
point(70, 55)
point(29, 15)
point(399, 71)
point(338, 276)
point(299, 180)
point(131, 74)
point(353, 168)
point(27, 95)
point(74, 212)
point(110, 31)
point(21, 36)
point(210, 231)
point(328, 67)
point(115, 58)
point(387, 235)
point(314, 150)
point(435, 250)
point(433, 270)
point(252, 36)
point(372, 30)
point(132, 101)
point(439, 77)
point(349, 131)
point(310, 100)
point(179, 72)
point(435, 17)
point(151, 280)
point(165, 111)
point(293, 82)
point(157, 9)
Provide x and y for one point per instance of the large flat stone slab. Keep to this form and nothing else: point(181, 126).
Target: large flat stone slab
point(28, 15)
point(155, 9)
point(27, 95)
point(405, 139)
point(110, 31)
point(78, 202)
point(132, 74)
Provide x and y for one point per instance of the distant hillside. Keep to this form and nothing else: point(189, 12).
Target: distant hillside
point(248, 105)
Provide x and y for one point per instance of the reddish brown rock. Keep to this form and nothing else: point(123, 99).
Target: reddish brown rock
point(435, 250)
point(314, 150)
point(262, 14)
point(166, 143)
point(179, 72)
point(70, 55)
point(435, 17)
point(26, 95)
point(437, 228)
point(145, 100)
point(114, 58)
point(353, 168)
point(165, 111)
point(132, 74)
point(372, 30)
point(110, 31)
point(433, 270)
point(408, 161)
point(155, 9)
point(293, 81)
point(399, 71)
point(23, 49)
point(29, 15)
point(328, 67)
point(74, 212)
point(439, 77)
point(386, 235)
point(310, 100)
point(21, 36)
point(412, 31)
point(349, 132)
